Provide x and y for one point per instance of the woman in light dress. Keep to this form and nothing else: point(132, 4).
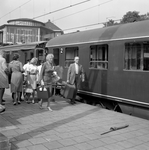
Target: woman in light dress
point(15, 66)
point(3, 79)
point(33, 72)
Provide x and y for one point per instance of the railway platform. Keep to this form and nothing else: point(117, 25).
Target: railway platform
point(70, 127)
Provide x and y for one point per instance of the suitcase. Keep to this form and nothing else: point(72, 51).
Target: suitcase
point(68, 91)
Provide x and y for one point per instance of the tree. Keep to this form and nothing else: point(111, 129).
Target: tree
point(131, 16)
point(110, 23)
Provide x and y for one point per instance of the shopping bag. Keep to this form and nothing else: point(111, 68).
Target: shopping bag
point(43, 92)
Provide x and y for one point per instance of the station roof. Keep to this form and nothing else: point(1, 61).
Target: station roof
point(117, 32)
point(26, 46)
point(25, 19)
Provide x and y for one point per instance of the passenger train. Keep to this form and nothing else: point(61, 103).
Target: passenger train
point(116, 64)
point(115, 61)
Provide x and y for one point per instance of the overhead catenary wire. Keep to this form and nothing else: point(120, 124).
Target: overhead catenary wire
point(88, 25)
point(61, 9)
point(15, 9)
point(81, 11)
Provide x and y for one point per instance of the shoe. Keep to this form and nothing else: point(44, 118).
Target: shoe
point(2, 111)
point(21, 99)
point(72, 102)
point(49, 109)
point(28, 102)
point(40, 106)
point(14, 103)
point(19, 102)
point(3, 101)
point(2, 107)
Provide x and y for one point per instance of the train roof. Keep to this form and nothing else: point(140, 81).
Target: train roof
point(25, 46)
point(112, 33)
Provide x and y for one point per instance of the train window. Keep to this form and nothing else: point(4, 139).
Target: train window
point(136, 56)
point(99, 56)
point(70, 53)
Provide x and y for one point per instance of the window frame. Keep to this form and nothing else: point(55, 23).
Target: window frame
point(143, 59)
point(70, 61)
point(97, 57)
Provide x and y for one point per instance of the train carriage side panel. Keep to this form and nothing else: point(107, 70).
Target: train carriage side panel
point(131, 85)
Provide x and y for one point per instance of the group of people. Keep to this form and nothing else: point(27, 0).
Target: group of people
point(26, 78)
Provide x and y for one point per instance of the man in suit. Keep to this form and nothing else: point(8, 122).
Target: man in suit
point(74, 74)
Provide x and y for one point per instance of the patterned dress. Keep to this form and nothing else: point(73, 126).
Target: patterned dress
point(32, 75)
point(3, 76)
point(16, 78)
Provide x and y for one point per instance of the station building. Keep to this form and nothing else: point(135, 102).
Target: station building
point(24, 30)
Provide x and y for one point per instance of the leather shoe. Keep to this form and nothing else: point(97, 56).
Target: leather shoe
point(72, 102)
point(3, 100)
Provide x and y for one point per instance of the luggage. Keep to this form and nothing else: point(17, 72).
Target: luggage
point(68, 91)
point(43, 92)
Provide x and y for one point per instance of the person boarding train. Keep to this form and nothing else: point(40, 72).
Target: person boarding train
point(74, 74)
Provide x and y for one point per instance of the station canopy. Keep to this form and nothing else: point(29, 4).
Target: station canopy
point(26, 46)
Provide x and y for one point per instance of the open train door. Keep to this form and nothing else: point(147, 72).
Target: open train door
point(40, 52)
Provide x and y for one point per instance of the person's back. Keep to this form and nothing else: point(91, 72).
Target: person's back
point(15, 66)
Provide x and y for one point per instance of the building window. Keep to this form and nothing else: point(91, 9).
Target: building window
point(70, 53)
point(137, 56)
point(99, 57)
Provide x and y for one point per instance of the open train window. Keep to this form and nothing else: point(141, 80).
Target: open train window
point(99, 56)
point(137, 56)
point(70, 53)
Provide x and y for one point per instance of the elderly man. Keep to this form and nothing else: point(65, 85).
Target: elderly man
point(74, 74)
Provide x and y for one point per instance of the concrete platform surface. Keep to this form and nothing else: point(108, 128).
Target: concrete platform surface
point(70, 127)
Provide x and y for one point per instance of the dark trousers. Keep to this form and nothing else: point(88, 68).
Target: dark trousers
point(76, 87)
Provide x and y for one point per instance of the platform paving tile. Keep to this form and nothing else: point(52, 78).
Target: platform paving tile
point(96, 143)
point(69, 148)
point(67, 142)
point(53, 145)
point(37, 147)
point(114, 146)
point(80, 139)
point(84, 146)
point(71, 127)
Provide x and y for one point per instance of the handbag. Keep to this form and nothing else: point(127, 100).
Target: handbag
point(55, 77)
point(43, 92)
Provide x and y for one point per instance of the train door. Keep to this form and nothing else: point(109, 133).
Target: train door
point(56, 56)
point(40, 54)
point(31, 55)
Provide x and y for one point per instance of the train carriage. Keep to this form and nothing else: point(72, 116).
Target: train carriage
point(116, 64)
point(26, 51)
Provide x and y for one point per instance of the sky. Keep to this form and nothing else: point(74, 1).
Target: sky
point(80, 16)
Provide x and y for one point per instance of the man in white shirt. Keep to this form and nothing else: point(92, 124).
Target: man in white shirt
point(74, 74)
